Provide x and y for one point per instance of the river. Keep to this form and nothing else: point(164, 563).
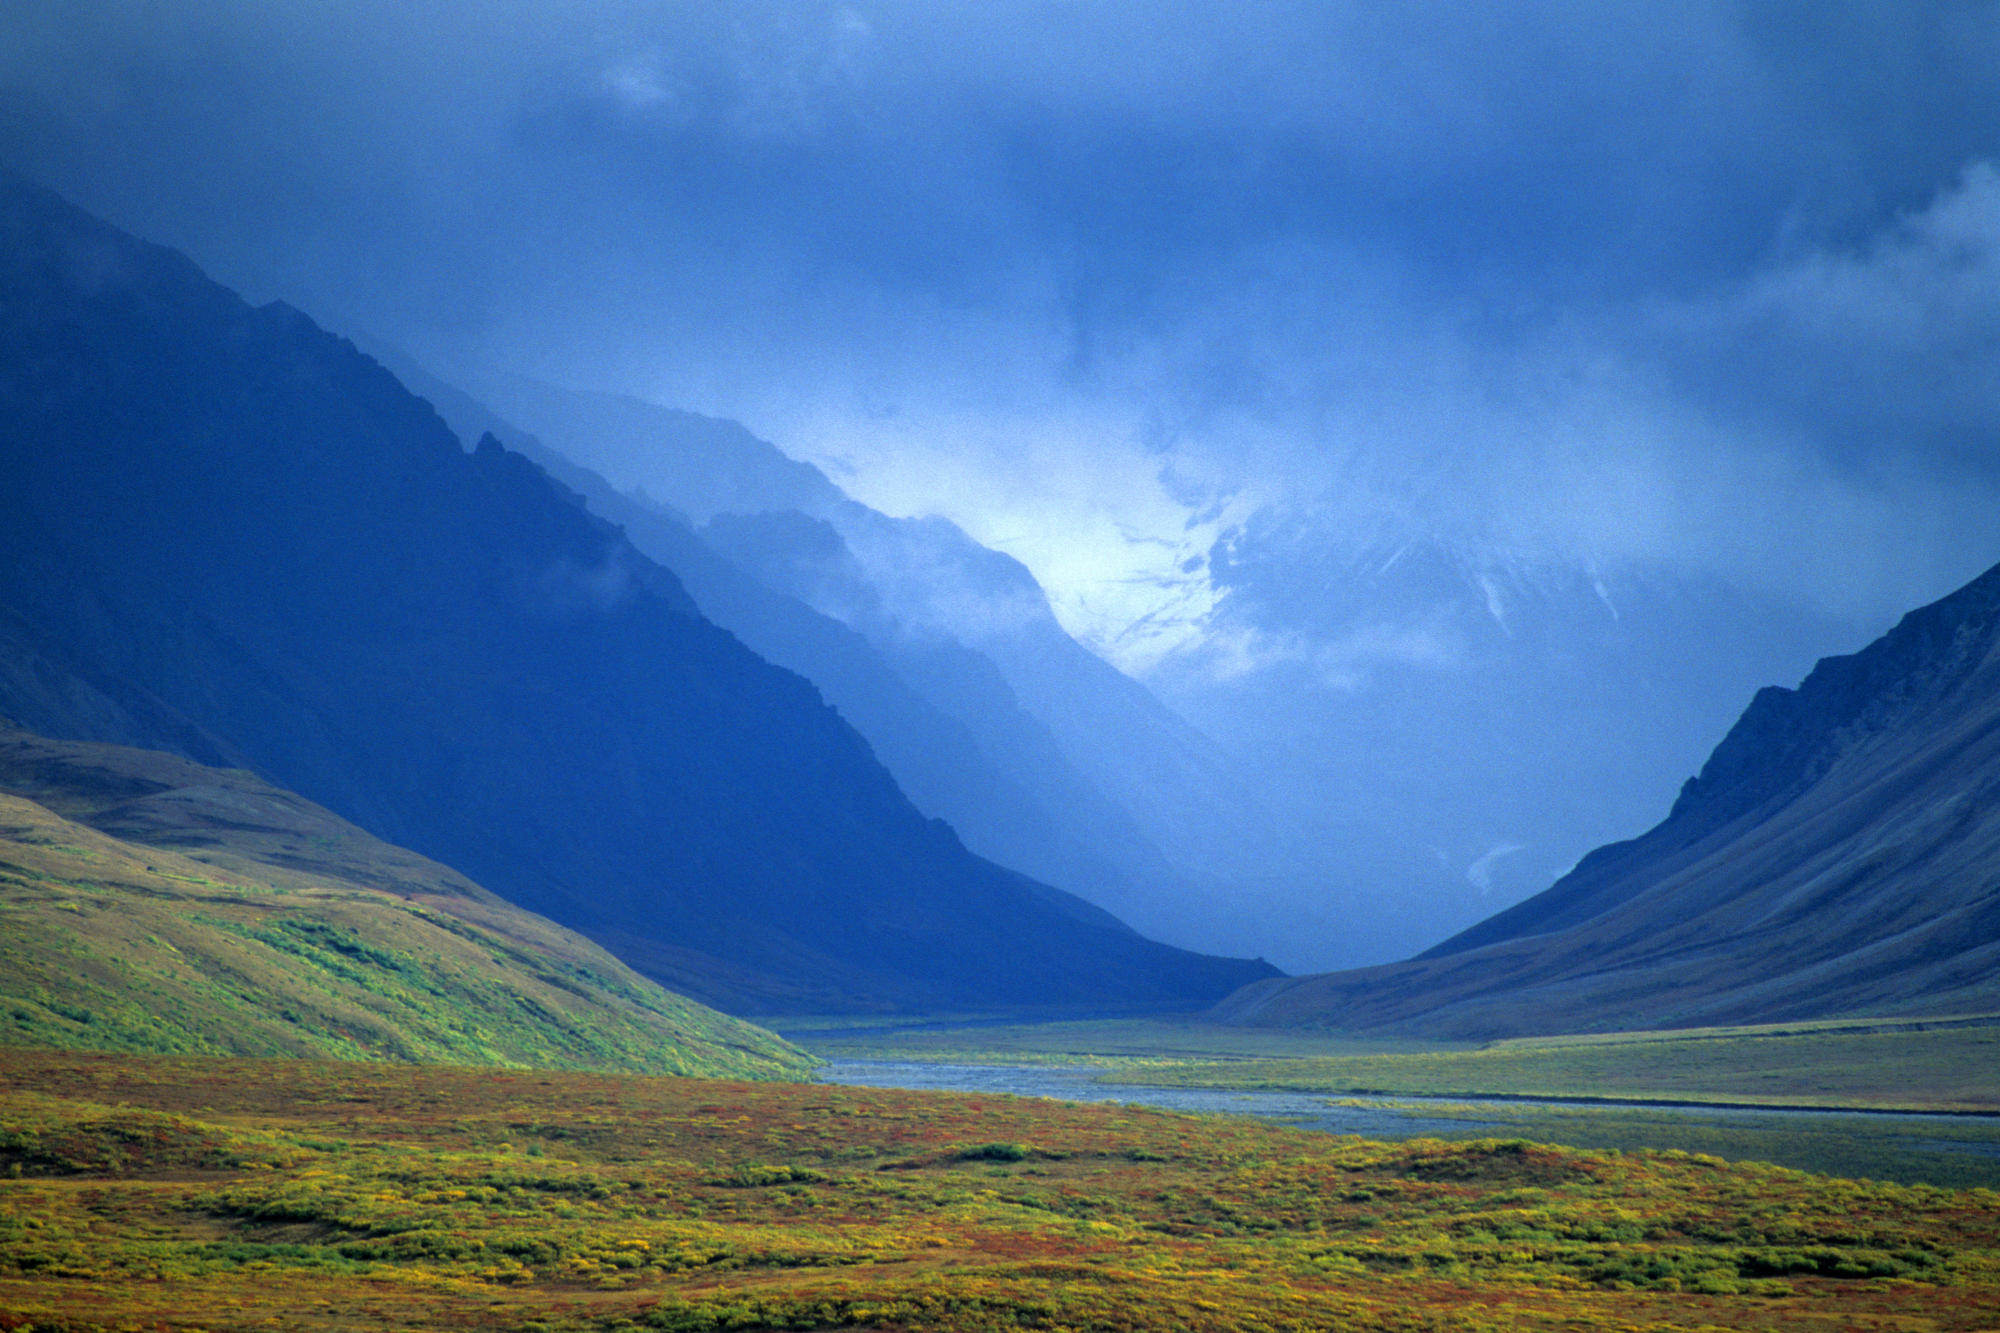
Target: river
point(1374, 1118)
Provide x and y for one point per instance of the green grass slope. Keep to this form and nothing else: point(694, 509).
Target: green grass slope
point(151, 904)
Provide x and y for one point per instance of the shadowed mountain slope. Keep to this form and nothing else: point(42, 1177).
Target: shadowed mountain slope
point(1129, 786)
point(225, 525)
point(1839, 853)
point(1006, 789)
point(152, 904)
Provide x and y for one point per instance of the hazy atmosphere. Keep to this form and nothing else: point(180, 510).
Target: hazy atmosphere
point(1455, 411)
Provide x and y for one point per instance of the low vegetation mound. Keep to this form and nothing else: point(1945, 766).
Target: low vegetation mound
point(152, 904)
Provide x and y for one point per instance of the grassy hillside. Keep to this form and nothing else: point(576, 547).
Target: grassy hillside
point(174, 1193)
point(151, 904)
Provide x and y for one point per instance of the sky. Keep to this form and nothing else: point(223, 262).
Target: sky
point(1364, 356)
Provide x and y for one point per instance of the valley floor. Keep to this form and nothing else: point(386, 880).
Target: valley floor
point(1944, 1064)
point(1915, 1102)
point(187, 1193)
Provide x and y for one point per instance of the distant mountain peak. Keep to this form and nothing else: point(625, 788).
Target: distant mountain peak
point(1789, 738)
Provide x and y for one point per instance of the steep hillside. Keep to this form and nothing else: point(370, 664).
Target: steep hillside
point(225, 518)
point(152, 904)
point(1838, 854)
point(1006, 790)
point(1126, 780)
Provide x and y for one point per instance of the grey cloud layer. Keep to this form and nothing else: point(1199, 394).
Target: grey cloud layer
point(1636, 143)
point(1308, 250)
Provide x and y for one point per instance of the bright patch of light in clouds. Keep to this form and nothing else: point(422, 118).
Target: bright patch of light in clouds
point(1079, 499)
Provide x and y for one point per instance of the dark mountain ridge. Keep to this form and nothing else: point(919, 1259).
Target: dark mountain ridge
point(941, 719)
point(227, 530)
point(1839, 853)
point(1127, 785)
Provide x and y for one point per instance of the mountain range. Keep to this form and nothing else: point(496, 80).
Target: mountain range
point(1462, 734)
point(1838, 854)
point(941, 719)
point(230, 535)
point(1077, 773)
point(784, 753)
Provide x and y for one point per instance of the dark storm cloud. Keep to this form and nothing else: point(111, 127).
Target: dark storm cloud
point(918, 143)
point(1895, 338)
point(1444, 260)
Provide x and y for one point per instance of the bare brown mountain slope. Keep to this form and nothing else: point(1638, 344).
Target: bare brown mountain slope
point(1838, 854)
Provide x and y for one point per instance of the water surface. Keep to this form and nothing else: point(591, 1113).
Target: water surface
point(1374, 1118)
point(1402, 1117)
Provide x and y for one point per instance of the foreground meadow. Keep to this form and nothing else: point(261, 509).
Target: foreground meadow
point(185, 1193)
